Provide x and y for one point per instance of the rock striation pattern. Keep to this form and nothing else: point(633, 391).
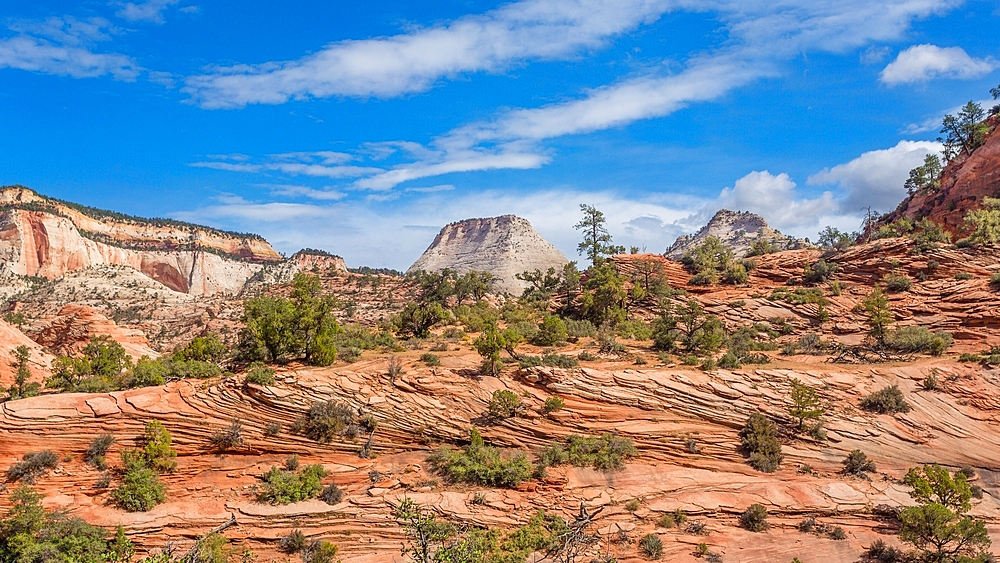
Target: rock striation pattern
point(738, 230)
point(503, 246)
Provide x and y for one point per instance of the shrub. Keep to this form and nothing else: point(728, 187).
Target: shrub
point(896, 283)
point(606, 453)
point(819, 271)
point(708, 364)
point(884, 553)
point(320, 551)
point(259, 374)
point(551, 331)
point(228, 438)
point(963, 276)
point(431, 360)
point(272, 429)
point(293, 543)
point(676, 518)
point(140, 488)
point(857, 464)
point(504, 404)
point(581, 328)
point(331, 494)
point(632, 504)
point(97, 449)
point(729, 361)
point(480, 464)
point(995, 280)
point(634, 330)
point(652, 546)
point(586, 356)
point(888, 400)
point(156, 449)
point(211, 549)
point(549, 359)
point(324, 421)
point(282, 486)
point(553, 404)
point(32, 466)
point(759, 438)
point(918, 339)
point(838, 533)
point(754, 518)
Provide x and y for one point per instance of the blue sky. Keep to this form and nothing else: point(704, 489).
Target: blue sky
point(362, 128)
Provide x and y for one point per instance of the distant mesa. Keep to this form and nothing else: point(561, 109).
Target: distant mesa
point(737, 230)
point(503, 246)
point(46, 237)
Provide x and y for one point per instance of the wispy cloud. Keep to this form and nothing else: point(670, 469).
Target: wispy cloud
point(63, 46)
point(318, 164)
point(414, 61)
point(921, 63)
point(762, 37)
point(148, 11)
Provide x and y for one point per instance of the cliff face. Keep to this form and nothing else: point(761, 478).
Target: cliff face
point(45, 239)
point(737, 230)
point(503, 246)
point(965, 181)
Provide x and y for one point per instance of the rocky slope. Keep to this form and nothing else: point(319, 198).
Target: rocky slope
point(738, 230)
point(503, 246)
point(47, 238)
point(965, 181)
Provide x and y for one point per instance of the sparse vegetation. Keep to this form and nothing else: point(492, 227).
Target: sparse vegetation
point(754, 518)
point(918, 339)
point(259, 374)
point(805, 403)
point(285, 486)
point(431, 360)
point(857, 464)
point(651, 546)
point(140, 489)
point(504, 404)
point(759, 439)
point(97, 450)
point(481, 464)
point(606, 453)
point(32, 466)
point(327, 420)
point(888, 400)
point(553, 404)
point(228, 438)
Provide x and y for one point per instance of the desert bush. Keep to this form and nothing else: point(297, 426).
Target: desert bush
point(759, 439)
point(549, 359)
point(819, 271)
point(32, 466)
point(553, 404)
point(212, 549)
point(754, 518)
point(606, 453)
point(293, 543)
point(481, 464)
point(888, 400)
point(632, 504)
point(857, 464)
point(634, 330)
point(551, 331)
point(327, 420)
point(207, 348)
point(580, 328)
point(140, 488)
point(728, 361)
point(838, 533)
point(504, 404)
point(97, 450)
point(228, 438)
point(918, 339)
point(331, 494)
point(259, 374)
point(431, 360)
point(884, 553)
point(651, 546)
point(895, 283)
point(963, 276)
point(586, 356)
point(272, 429)
point(283, 486)
point(156, 447)
point(320, 551)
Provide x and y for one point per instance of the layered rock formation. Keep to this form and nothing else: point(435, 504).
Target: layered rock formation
point(503, 246)
point(47, 238)
point(738, 230)
point(965, 181)
point(69, 331)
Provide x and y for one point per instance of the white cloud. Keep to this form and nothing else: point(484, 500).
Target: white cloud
point(304, 191)
point(317, 164)
point(413, 62)
point(762, 35)
point(921, 63)
point(63, 46)
point(149, 11)
point(876, 177)
point(774, 197)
